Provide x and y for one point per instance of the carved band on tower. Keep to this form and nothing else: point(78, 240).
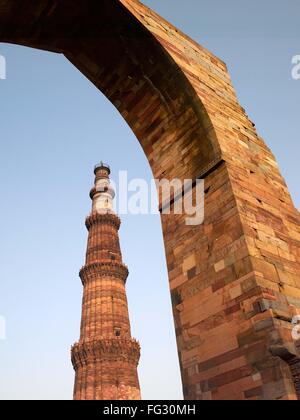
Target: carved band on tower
point(106, 357)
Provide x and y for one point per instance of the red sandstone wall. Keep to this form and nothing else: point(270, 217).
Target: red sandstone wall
point(235, 280)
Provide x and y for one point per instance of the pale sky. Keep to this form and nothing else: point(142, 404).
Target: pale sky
point(55, 125)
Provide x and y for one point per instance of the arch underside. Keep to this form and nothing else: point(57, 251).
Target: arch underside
point(125, 62)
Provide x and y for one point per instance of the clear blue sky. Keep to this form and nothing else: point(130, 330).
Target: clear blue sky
point(55, 126)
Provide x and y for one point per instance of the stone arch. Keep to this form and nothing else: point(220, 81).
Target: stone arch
point(234, 280)
point(134, 71)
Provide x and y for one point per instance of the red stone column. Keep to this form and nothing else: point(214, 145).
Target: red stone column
point(106, 357)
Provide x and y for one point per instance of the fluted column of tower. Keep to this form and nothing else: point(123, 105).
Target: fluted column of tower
point(106, 357)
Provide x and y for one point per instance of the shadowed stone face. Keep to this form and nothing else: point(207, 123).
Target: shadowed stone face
point(234, 280)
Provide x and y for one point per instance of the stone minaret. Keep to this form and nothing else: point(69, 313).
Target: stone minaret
point(106, 357)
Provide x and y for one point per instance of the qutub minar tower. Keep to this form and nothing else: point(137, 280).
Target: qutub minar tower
point(106, 357)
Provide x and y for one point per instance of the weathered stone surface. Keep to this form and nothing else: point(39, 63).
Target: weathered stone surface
point(235, 279)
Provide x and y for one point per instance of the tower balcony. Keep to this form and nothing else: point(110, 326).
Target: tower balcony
point(105, 349)
point(103, 218)
point(102, 269)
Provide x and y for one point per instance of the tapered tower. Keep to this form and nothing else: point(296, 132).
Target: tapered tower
point(106, 357)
